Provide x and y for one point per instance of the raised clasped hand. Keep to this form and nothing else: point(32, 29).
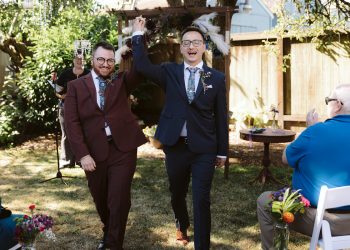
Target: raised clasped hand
point(139, 23)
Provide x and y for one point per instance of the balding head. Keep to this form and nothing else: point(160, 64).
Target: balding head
point(342, 106)
point(342, 92)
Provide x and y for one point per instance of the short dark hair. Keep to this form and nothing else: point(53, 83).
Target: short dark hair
point(104, 45)
point(192, 28)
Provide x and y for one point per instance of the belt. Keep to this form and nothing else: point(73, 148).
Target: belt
point(183, 140)
point(334, 211)
point(109, 138)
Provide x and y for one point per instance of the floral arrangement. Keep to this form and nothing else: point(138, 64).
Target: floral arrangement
point(203, 76)
point(274, 111)
point(285, 204)
point(29, 227)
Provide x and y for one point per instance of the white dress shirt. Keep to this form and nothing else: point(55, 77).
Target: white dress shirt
point(196, 81)
point(97, 87)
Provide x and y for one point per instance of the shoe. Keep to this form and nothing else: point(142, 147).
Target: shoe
point(102, 244)
point(181, 237)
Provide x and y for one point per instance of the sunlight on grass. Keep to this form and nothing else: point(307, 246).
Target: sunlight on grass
point(137, 175)
point(151, 222)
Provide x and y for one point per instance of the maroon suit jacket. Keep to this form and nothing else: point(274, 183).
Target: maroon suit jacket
point(85, 121)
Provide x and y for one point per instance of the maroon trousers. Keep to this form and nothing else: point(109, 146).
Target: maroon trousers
point(110, 186)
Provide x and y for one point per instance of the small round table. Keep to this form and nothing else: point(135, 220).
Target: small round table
point(268, 136)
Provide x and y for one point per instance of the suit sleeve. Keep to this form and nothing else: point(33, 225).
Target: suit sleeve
point(221, 119)
point(132, 78)
point(142, 63)
point(72, 123)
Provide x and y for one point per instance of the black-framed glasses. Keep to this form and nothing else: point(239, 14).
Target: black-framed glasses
point(102, 60)
point(195, 43)
point(327, 100)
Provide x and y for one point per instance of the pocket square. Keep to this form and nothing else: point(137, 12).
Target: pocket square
point(209, 86)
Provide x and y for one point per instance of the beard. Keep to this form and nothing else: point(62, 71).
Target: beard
point(104, 72)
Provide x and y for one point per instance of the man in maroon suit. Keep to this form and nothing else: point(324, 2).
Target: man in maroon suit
point(104, 136)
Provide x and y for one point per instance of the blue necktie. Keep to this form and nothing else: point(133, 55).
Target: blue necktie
point(102, 87)
point(191, 87)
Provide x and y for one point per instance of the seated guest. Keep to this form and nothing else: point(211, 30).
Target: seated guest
point(7, 228)
point(319, 156)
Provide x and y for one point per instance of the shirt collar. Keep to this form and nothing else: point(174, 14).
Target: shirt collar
point(199, 65)
point(94, 75)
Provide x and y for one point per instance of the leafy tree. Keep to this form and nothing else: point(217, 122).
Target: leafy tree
point(16, 23)
point(28, 101)
point(325, 10)
point(324, 23)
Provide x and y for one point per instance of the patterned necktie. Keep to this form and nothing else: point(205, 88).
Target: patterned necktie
point(102, 87)
point(191, 89)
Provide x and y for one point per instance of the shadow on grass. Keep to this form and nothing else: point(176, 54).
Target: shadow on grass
point(150, 225)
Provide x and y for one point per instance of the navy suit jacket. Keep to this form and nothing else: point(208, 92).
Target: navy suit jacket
point(206, 115)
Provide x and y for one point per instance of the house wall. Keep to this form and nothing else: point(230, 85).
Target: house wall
point(260, 18)
point(253, 22)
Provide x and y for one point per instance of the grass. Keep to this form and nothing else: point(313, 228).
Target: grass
point(150, 225)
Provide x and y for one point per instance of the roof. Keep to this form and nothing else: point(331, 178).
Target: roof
point(272, 5)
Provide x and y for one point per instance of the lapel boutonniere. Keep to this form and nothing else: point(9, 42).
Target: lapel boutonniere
point(203, 76)
point(112, 78)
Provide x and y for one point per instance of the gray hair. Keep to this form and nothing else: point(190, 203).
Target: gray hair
point(342, 93)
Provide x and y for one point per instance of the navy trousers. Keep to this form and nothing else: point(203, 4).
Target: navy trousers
point(181, 164)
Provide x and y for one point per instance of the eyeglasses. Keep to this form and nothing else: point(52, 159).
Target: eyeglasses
point(102, 60)
point(195, 43)
point(327, 100)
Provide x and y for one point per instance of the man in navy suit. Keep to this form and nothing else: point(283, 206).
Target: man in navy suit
point(192, 127)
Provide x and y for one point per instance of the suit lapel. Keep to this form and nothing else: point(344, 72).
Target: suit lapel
point(89, 83)
point(200, 83)
point(181, 80)
point(112, 91)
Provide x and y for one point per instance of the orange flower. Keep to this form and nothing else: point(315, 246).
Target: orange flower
point(288, 217)
point(32, 207)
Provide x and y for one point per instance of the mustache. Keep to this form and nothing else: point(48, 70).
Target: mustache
point(105, 67)
point(109, 79)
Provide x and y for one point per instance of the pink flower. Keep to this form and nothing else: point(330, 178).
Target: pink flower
point(305, 201)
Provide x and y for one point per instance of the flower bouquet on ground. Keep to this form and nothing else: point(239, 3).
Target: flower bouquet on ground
point(285, 204)
point(28, 228)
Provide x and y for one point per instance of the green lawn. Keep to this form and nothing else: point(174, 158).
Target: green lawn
point(150, 225)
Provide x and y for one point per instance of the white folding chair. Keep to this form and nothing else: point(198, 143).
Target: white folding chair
point(329, 198)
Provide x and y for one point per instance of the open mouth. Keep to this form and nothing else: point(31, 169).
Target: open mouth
point(192, 53)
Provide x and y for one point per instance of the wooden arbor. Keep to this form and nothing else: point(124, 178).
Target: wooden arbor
point(178, 11)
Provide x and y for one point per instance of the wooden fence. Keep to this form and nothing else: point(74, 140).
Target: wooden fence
point(258, 81)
